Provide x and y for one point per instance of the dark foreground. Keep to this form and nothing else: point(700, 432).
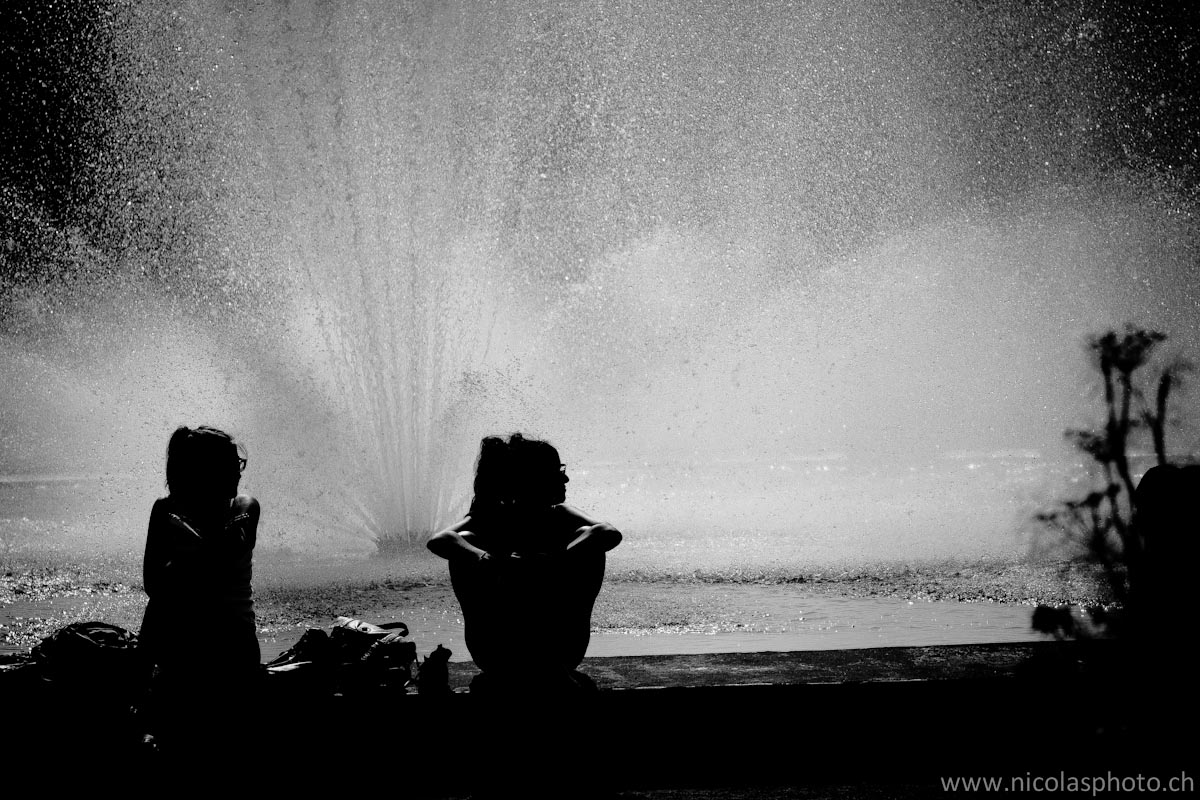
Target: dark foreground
point(890, 722)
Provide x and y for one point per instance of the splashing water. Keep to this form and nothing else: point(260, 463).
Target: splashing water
point(363, 235)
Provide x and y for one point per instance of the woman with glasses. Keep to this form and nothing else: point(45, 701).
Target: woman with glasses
point(198, 630)
point(526, 568)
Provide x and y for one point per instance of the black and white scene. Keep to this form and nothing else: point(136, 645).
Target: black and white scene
point(776, 400)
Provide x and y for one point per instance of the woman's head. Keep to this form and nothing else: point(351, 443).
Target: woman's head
point(517, 472)
point(203, 463)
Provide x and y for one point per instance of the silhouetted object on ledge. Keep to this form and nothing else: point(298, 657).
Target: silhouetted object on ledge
point(433, 675)
point(313, 648)
point(96, 652)
point(198, 632)
point(1064, 622)
point(371, 657)
point(526, 569)
point(355, 657)
point(1055, 620)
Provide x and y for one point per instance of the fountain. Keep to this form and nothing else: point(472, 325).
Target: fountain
point(794, 271)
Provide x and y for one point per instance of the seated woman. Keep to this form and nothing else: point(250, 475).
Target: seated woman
point(1161, 582)
point(526, 567)
point(1162, 604)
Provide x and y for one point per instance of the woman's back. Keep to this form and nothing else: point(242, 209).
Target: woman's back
point(526, 567)
point(531, 603)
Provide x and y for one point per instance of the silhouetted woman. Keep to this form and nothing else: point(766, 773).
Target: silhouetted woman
point(1162, 584)
point(198, 630)
point(526, 567)
point(1162, 601)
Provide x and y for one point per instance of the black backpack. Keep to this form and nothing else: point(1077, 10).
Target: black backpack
point(89, 652)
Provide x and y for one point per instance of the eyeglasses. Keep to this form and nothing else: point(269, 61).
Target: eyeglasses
point(241, 465)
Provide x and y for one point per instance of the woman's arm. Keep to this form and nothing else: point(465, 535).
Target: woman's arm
point(172, 552)
point(598, 538)
point(245, 513)
point(455, 543)
point(154, 561)
point(591, 536)
point(238, 535)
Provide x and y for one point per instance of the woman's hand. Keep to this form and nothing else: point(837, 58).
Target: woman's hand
point(456, 542)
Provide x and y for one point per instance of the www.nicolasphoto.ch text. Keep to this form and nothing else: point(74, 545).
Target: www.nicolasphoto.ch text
point(1062, 782)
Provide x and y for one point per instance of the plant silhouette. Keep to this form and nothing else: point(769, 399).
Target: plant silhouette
point(1100, 525)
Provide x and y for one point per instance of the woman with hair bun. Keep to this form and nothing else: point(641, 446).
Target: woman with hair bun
point(526, 568)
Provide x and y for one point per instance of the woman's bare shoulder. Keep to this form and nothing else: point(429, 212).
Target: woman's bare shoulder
point(244, 508)
point(570, 514)
point(244, 503)
point(465, 525)
point(468, 528)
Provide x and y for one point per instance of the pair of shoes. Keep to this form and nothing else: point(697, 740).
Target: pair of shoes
point(314, 646)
